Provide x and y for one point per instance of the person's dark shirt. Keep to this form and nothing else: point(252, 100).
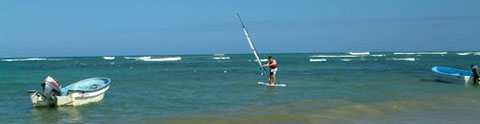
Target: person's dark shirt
point(475, 72)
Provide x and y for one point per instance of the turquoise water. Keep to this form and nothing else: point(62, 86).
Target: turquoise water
point(376, 88)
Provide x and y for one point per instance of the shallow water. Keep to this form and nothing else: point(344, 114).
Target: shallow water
point(377, 88)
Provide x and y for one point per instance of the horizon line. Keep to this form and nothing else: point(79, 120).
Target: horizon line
point(191, 54)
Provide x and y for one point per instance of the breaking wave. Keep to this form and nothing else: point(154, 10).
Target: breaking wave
point(221, 58)
point(109, 57)
point(261, 60)
point(318, 60)
point(464, 53)
point(403, 59)
point(404, 53)
point(432, 53)
point(334, 56)
point(359, 53)
point(133, 57)
point(377, 55)
point(31, 59)
point(150, 59)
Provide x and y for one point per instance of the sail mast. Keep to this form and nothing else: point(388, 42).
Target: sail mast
point(252, 45)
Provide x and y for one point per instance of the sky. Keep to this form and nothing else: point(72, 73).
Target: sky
point(55, 28)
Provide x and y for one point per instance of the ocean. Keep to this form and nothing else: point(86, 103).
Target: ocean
point(380, 87)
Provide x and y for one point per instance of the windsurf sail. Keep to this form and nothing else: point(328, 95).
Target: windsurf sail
point(252, 46)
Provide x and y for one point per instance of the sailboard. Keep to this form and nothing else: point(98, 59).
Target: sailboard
point(252, 46)
point(272, 85)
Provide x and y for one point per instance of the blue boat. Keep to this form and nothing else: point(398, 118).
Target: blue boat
point(452, 75)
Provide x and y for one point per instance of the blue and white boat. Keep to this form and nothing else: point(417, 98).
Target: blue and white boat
point(452, 75)
point(78, 93)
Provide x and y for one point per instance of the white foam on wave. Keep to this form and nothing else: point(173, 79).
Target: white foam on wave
point(377, 55)
point(318, 60)
point(464, 53)
point(221, 58)
point(219, 54)
point(359, 53)
point(261, 60)
point(150, 59)
point(31, 59)
point(404, 53)
point(25, 59)
point(476, 53)
point(132, 57)
point(109, 57)
point(346, 60)
point(334, 56)
point(403, 59)
point(432, 53)
point(138, 58)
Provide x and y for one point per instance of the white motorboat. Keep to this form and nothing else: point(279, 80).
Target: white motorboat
point(78, 93)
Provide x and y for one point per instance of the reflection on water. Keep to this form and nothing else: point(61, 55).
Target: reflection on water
point(56, 115)
point(272, 89)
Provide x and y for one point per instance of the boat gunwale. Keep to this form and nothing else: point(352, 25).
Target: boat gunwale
point(435, 69)
point(89, 91)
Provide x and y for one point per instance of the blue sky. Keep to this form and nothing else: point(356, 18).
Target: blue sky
point(97, 28)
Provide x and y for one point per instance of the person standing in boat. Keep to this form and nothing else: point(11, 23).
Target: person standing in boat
point(272, 63)
point(475, 74)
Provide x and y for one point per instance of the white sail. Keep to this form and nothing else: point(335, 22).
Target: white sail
point(251, 44)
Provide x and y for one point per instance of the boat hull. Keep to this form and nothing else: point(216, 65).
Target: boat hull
point(38, 100)
point(74, 99)
point(452, 75)
point(453, 79)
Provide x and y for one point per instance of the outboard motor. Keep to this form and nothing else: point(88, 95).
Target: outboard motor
point(51, 90)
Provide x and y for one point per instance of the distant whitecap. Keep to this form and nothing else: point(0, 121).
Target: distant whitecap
point(403, 59)
point(432, 53)
point(318, 60)
point(404, 53)
point(359, 53)
point(31, 59)
point(131, 57)
point(334, 56)
point(221, 58)
point(377, 55)
point(261, 60)
point(109, 57)
point(464, 53)
point(150, 59)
